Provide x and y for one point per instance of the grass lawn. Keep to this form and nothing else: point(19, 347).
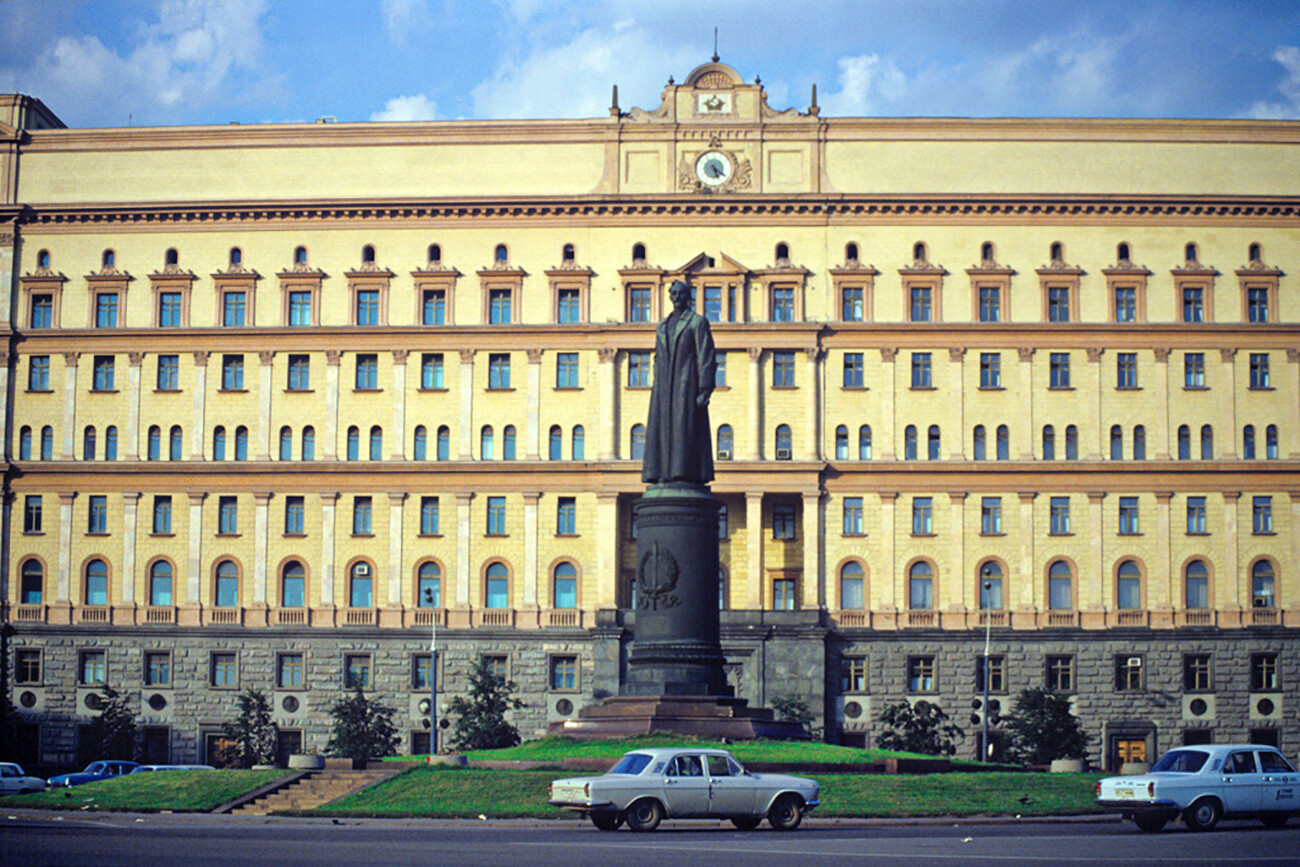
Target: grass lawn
point(181, 791)
point(556, 749)
point(458, 792)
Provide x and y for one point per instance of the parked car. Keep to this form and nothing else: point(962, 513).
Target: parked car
point(144, 769)
point(14, 780)
point(102, 770)
point(648, 786)
point(1203, 784)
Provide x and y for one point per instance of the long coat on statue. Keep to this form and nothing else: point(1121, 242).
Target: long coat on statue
point(679, 442)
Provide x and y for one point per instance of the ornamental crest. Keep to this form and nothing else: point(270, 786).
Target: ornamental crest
point(656, 579)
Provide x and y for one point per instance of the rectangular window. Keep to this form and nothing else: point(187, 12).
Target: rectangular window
point(232, 372)
point(32, 513)
point(1257, 304)
point(1194, 370)
point(499, 302)
point(38, 373)
point(431, 375)
point(853, 370)
point(1259, 370)
point(429, 516)
point(223, 671)
point(1196, 515)
point(103, 373)
point(1126, 370)
point(1263, 672)
point(568, 310)
point(299, 372)
point(1261, 509)
point(433, 307)
point(566, 370)
point(290, 671)
point(169, 309)
point(498, 665)
point(1060, 673)
point(1058, 304)
point(783, 370)
point(564, 672)
point(232, 308)
point(920, 674)
point(294, 515)
point(782, 303)
point(783, 594)
point(361, 516)
point(97, 514)
point(169, 372)
point(990, 370)
point(1125, 303)
point(496, 516)
point(106, 310)
point(421, 668)
point(157, 668)
point(920, 303)
point(92, 667)
point(997, 673)
point(356, 671)
point(300, 309)
point(27, 666)
point(1128, 673)
point(853, 674)
point(1196, 672)
point(227, 516)
point(368, 307)
point(42, 311)
point(921, 370)
point(851, 306)
point(367, 378)
point(1059, 370)
point(783, 521)
point(990, 303)
point(991, 516)
point(1128, 516)
point(638, 370)
point(566, 516)
point(720, 372)
point(852, 516)
point(638, 304)
point(1059, 516)
point(922, 516)
point(499, 370)
point(1193, 304)
point(162, 514)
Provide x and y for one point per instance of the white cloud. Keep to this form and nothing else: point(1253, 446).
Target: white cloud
point(403, 17)
point(415, 107)
point(868, 85)
point(1289, 108)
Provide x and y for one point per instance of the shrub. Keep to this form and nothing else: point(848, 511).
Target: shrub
point(918, 728)
point(254, 733)
point(482, 721)
point(1042, 728)
point(363, 729)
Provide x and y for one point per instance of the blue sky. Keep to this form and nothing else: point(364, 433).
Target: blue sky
point(100, 63)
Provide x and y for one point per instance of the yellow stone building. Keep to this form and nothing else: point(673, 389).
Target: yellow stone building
point(283, 398)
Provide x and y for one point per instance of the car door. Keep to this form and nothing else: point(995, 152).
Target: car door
point(8, 779)
point(686, 788)
point(1242, 782)
point(731, 793)
point(1281, 783)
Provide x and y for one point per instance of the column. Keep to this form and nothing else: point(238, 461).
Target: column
point(398, 437)
point(8, 234)
point(1094, 570)
point(261, 525)
point(1289, 591)
point(1160, 589)
point(1228, 582)
point(130, 519)
point(1027, 438)
point(328, 504)
point(608, 402)
point(754, 550)
point(463, 501)
point(69, 404)
point(1158, 439)
point(531, 579)
point(813, 587)
point(65, 546)
point(265, 358)
point(330, 448)
point(466, 405)
point(1093, 386)
point(885, 436)
point(1031, 586)
point(198, 426)
point(133, 406)
point(1293, 435)
point(964, 600)
point(887, 583)
point(754, 406)
point(957, 393)
point(812, 380)
point(607, 542)
point(532, 426)
point(1225, 440)
point(194, 574)
point(396, 499)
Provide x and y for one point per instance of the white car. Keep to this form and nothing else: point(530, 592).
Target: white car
point(1205, 783)
point(648, 786)
point(14, 780)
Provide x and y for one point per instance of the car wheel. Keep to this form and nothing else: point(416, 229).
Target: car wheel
point(1203, 815)
point(644, 815)
point(1149, 824)
point(1274, 820)
point(786, 813)
point(607, 821)
point(746, 823)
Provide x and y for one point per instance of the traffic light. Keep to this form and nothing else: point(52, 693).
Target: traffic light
point(994, 712)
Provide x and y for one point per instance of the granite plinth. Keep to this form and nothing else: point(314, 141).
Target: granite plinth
point(699, 716)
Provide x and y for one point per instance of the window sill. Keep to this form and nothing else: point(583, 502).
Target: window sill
point(496, 535)
point(439, 390)
point(429, 536)
point(1196, 533)
point(232, 391)
point(294, 536)
point(1260, 388)
point(39, 391)
point(785, 388)
point(853, 535)
point(1060, 388)
point(577, 535)
point(367, 391)
point(356, 535)
point(1196, 388)
point(167, 391)
point(1128, 535)
point(499, 388)
point(631, 387)
point(103, 391)
point(568, 388)
point(992, 388)
point(923, 388)
point(722, 388)
point(1128, 388)
point(1060, 535)
point(300, 391)
point(162, 535)
point(228, 535)
point(1264, 533)
point(999, 533)
point(853, 388)
point(99, 534)
point(33, 532)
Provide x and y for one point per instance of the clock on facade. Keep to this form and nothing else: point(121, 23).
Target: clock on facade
point(713, 168)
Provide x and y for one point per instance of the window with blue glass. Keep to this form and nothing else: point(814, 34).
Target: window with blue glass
point(1058, 304)
point(175, 443)
point(1193, 304)
point(853, 370)
point(367, 306)
point(920, 586)
point(376, 443)
point(1059, 370)
point(293, 585)
point(1059, 516)
point(782, 303)
point(638, 370)
point(162, 514)
point(169, 309)
point(1196, 524)
point(106, 309)
point(367, 375)
point(444, 443)
point(361, 589)
point(227, 585)
point(499, 370)
point(42, 310)
point(160, 583)
point(1257, 304)
point(38, 373)
point(299, 372)
point(499, 306)
point(496, 590)
point(294, 515)
point(362, 516)
point(96, 582)
point(169, 372)
point(990, 303)
point(990, 370)
point(922, 516)
point(241, 443)
point(851, 303)
point(921, 372)
point(232, 372)
point(920, 298)
point(720, 372)
point(783, 370)
point(227, 516)
point(566, 516)
point(103, 373)
point(300, 308)
point(1126, 370)
point(429, 516)
point(568, 306)
point(1128, 516)
point(577, 443)
point(566, 370)
point(496, 516)
point(233, 305)
point(433, 307)
point(565, 585)
point(428, 587)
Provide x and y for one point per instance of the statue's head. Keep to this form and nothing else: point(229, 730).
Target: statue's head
point(680, 294)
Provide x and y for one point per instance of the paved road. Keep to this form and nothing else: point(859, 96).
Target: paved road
point(67, 840)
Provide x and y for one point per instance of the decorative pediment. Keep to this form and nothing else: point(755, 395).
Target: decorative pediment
point(703, 263)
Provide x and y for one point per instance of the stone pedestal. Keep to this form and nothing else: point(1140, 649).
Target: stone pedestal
point(699, 716)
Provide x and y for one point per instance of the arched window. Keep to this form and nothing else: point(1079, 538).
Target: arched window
point(171, 257)
point(435, 254)
point(726, 442)
point(782, 251)
point(226, 593)
point(175, 443)
point(508, 443)
point(555, 443)
point(1139, 443)
point(565, 586)
point(1004, 443)
point(241, 443)
point(784, 449)
point(1270, 442)
point(1116, 443)
point(293, 585)
point(986, 252)
point(638, 442)
point(219, 443)
point(909, 443)
point(990, 578)
point(236, 256)
point(428, 586)
point(1049, 443)
point(444, 443)
point(578, 444)
point(1248, 442)
point(154, 447)
point(108, 259)
point(1071, 443)
point(1128, 586)
point(1262, 585)
point(568, 254)
point(842, 443)
point(47, 443)
point(1122, 252)
point(309, 443)
point(496, 590)
point(851, 586)
point(1196, 583)
point(1184, 443)
point(420, 444)
point(96, 583)
point(376, 443)
point(920, 586)
point(43, 259)
point(110, 443)
point(722, 589)
point(864, 443)
point(88, 444)
point(850, 252)
point(1189, 252)
point(361, 586)
point(487, 446)
point(502, 254)
point(368, 254)
point(918, 252)
point(638, 252)
point(32, 589)
point(286, 443)
point(300, 255)
point(932, 443)
point(1207, 443)
point(25, 444)
point(977, 443)
point(1255, 253)
point(1056, 252)
point(1060, 589)
point(160, 584)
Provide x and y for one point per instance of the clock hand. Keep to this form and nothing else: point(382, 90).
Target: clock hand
point(714, 169)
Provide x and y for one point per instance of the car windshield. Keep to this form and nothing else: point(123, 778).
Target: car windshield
point(632, 763)
point(1181, 761)
point(94, 768)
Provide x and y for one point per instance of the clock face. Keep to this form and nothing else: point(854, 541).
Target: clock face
point(713, 168)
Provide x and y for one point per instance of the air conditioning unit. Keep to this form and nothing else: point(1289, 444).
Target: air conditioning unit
point(362, 569)
point(724, 454)
point(1263, 602)
point(783, 454)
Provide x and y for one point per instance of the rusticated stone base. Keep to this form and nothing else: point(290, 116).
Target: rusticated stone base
point(701, 716)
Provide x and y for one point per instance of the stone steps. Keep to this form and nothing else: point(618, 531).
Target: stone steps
point(313, 791)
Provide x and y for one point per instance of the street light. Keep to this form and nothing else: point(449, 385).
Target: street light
point(988, 622)
point(433, 671)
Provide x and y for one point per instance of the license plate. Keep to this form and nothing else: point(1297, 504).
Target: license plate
point(1123, 793)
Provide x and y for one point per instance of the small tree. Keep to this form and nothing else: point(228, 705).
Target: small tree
point(254, 733)
point(363, 728)
point(482, 721)
point(1042, 728)
point(112, 734)
point(795, 709)
point(918, 728)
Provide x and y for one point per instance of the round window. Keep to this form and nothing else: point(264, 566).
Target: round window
point(157, 701)
point(27, 699)
point(1265, 706)
point(1198, 707)
point(290, 704)
point(564, 706)
point(852, 709)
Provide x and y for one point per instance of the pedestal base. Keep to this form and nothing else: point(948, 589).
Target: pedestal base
point(699, 716)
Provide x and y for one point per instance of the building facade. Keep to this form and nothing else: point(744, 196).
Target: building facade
point(283, 399)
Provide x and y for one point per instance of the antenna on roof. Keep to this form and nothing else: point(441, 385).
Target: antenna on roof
point(715, 45)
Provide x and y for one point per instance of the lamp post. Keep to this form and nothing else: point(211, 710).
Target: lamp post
point(433, 671)
point(984, 721)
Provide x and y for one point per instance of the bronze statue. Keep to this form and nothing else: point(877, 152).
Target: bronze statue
point(679, 443)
